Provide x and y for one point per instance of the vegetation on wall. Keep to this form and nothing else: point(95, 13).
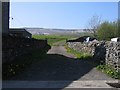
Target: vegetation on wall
point(79, 55)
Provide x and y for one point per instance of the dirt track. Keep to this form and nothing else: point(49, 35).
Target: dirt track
point(59, 65)
point(60, 50)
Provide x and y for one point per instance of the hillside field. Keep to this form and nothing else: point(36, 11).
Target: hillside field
point(54, 38)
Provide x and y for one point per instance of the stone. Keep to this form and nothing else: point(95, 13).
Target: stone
point(101, 50)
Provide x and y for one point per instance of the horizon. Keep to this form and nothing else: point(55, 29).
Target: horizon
point(47, 28)
point(60, 15)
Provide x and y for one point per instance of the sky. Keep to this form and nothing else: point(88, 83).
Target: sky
point(63, 15)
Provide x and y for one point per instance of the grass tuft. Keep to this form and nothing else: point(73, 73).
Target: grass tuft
point(109, 71)
point(79, 55)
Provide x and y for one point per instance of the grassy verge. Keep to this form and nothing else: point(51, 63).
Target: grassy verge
point(79, 55)
point(17, 66)
point(102, 67)
point(109, 71)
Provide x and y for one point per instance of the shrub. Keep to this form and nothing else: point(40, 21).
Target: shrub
point(109, 71)
point(107, 30)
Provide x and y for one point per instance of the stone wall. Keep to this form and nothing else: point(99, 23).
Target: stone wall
point(107, 52)
point(15, 46)
point(95, 48)
point(80, 47)
point(113, 55)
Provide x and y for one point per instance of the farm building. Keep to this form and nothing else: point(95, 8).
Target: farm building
point(82, 39)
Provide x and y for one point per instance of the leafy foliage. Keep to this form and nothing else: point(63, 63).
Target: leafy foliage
point(107, 30)
point(109, 71)
point(103, 30)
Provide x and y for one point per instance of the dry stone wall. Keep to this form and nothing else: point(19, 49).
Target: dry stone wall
point(16, 46)
point(107, 52)
point(81, 47)
point(96, 49)
point(113, 55)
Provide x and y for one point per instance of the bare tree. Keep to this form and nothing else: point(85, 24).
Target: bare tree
point(93, 25)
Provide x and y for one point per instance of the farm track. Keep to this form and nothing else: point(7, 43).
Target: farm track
point(60, 65)
point(59, 69)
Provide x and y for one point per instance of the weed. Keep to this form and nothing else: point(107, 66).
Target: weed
point(109, 71)
point(79, 55)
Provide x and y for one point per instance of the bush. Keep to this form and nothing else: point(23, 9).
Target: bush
point(107, 30)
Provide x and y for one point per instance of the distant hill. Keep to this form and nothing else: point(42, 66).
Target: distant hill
point(54, 31)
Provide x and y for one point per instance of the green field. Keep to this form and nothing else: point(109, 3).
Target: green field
point(60, 39)
point(54, 39)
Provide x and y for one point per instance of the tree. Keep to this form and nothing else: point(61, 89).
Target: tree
point(118, 28)
point(107, 30)
point(93, 25)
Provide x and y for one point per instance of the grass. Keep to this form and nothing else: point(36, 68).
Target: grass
point(79, 55)
point(104, 68)
point(109, 71)
point(53, 38)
